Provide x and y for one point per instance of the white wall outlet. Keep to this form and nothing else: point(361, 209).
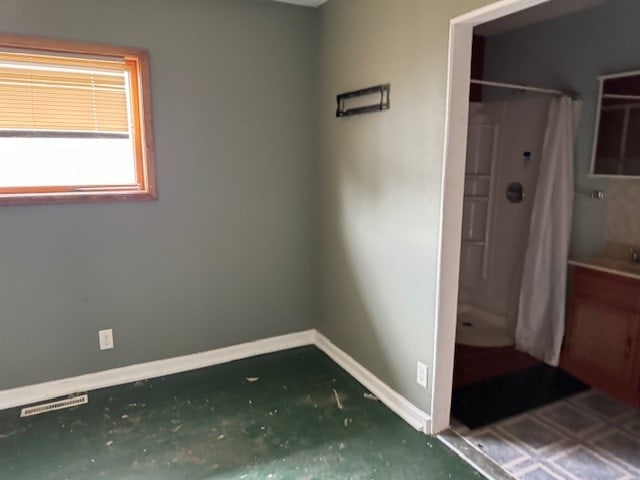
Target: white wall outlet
point(421, 375)
point(105, 339)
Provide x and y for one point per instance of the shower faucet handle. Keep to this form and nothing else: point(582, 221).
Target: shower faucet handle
point(635, 255)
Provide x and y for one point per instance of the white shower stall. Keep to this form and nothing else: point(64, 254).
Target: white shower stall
point(506, 134)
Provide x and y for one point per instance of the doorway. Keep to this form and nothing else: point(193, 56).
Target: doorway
point(457, 115)
point(562, 440)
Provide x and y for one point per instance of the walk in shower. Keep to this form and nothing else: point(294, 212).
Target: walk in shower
point(505, 138)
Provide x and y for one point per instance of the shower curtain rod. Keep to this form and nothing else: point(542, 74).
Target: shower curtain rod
point(520, 87)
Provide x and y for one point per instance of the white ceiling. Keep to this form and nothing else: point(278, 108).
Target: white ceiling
point(305, 3)
point(540, 13)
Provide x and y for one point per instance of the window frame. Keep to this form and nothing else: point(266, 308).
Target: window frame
point(137, 62)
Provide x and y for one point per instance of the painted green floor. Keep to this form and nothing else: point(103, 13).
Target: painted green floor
point(214, 423)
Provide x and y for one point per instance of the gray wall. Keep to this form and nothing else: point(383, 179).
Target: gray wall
point(225, 253)
point(569, 53)
point(381, 182)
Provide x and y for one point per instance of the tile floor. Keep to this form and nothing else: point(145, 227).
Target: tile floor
point(588, 436)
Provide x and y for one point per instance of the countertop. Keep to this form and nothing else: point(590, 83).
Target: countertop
point(615, 266)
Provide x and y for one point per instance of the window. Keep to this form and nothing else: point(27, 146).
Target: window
point(75, 122)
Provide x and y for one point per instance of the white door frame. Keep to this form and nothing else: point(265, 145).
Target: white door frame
point(452, 187)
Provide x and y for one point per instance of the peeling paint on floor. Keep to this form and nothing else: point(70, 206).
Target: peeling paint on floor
point(304, 419)
point(338, 402)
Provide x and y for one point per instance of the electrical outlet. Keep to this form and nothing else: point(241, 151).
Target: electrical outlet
point(105, 338)
point(421, 375)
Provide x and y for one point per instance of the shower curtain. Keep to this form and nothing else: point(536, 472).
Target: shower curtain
point(540, 325)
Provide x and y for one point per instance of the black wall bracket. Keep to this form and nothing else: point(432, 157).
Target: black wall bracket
point(384, 103)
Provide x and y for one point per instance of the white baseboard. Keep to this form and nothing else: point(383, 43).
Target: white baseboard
point(406, 410)
point(40, 392)
point(15, 397)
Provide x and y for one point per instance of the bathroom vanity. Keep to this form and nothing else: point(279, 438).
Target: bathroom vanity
point(602, 337)
point(602, 334)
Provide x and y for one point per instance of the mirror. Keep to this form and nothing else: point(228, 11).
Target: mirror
point(616, 148)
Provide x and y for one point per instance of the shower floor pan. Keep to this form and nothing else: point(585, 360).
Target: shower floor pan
point(479, 328)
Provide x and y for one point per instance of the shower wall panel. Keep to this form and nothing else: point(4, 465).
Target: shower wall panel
point(521, 121)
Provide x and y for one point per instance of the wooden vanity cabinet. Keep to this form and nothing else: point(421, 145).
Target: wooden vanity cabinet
point(602, 337)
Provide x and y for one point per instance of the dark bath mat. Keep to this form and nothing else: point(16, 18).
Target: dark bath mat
point(502, 397)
